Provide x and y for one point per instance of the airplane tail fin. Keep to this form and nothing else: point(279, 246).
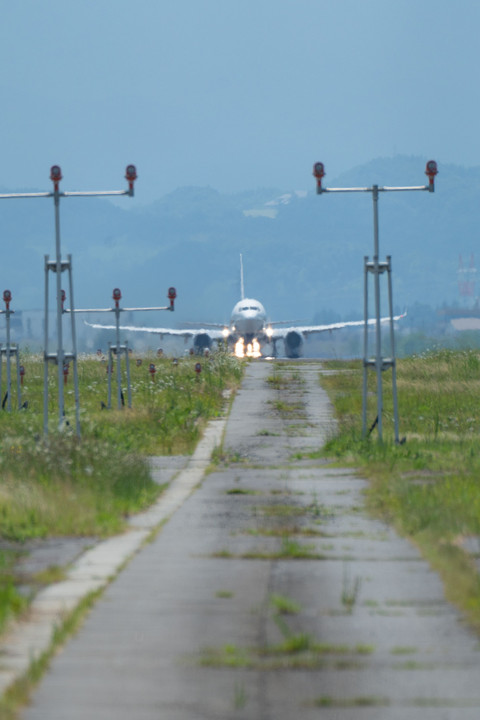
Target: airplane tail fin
point(242, 288)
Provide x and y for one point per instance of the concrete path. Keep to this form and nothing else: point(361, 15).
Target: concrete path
point(269, 595)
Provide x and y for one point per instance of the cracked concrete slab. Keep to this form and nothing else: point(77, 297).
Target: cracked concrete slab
point(189, 629)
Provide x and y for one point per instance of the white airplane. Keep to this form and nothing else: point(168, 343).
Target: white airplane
point(249, 330)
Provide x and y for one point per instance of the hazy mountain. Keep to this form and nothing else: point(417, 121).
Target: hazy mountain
point(303, 253)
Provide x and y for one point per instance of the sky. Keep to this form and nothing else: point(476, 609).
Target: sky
point(232, 94)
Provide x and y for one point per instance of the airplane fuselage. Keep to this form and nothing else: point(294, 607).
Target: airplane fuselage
point(248, 320)
point(248, 327)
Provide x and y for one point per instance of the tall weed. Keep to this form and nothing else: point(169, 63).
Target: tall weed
point(64, 485)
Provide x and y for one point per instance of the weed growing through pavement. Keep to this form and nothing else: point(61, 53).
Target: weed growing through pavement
point(51, 574)
point(315, 506)
point(242, 491)
point(297, 651)
point(327, 701)
point(284, 605)
point(11, 601)
point(427, 486)
point(284, 377)
point(289, 530)
point(240, 696)
point(350, 590)
point(18, 694)
point(293, 549)
point(221, 457)
point(289, 409)
point(294, 651)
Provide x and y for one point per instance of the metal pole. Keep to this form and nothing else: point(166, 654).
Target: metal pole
point(19, 390)
point(59, 357)
point(378, 332)
point(74, 348)
point(122, 348)
point(392, 345)
point(60, 352)
point(431, 171)
point(109, 373)
point(119, 368)
point(9, 370)
point(45, 364)
point(365, 347)
point(129, 386)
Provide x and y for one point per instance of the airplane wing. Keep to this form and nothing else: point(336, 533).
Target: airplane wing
point(202, 325)
point(305, 330)
point(186, 333)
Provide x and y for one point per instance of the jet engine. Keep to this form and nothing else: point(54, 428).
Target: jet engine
point(202, 342)
point(293, 344)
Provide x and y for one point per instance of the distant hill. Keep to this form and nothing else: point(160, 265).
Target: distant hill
point(303, 254)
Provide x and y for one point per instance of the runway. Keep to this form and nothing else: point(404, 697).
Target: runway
point(269, 594)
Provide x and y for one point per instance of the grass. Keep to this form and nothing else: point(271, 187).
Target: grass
point(240, 696)
point(242, 491)
point(293, 549)
point(404, 650)
point(60, 485)
point(350, 590)
point(289, 550)
point(288, 530)
point(67, 487)
point(280, 511)
point(289, 409)
point(51, 574)
point(220, 457)
point(284, 605)
point(284, 378)
point(19, 693)
point(11, 601)
point(327, 701)
point(428, 486)
point(166, 415)
point(227, 656)
point(300, 652)
point(295, 651)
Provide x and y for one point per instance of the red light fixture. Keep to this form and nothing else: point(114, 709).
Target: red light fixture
point(7, 298)
point(431, 170)
point(117, 296)
point(319, 174)
point(55, 176)
point(131, 176)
